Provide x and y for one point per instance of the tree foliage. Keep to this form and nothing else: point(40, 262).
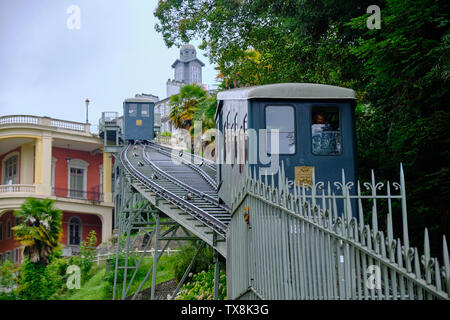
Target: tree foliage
point(400, 73)
point(184, 105)
point(40, 229)
point(193, 103)
point(87, 255)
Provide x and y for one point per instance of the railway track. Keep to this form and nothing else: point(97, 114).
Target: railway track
point(180, 188)
point(204, 167)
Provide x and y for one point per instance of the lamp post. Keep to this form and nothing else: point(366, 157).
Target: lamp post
point(87, 104)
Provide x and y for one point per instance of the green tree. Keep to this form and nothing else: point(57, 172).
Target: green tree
point(87, 254)
point(406, 117)
point(40, 229)
point(184, 105)
point(35, 281)
point(205, 113)
point(400, 73)
point(267, 41)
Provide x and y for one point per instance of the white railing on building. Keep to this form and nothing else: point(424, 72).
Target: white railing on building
point(45, 121)
point(19, 119)
point(63, 124)
point(25, 188)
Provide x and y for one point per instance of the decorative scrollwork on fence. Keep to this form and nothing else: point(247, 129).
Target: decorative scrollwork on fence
point(315, 243)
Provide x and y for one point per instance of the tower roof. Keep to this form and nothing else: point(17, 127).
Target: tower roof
point(188, 47)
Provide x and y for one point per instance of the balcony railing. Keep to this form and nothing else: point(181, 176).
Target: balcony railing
point(28, 188)
point(45, 121)
point(78, 194)
point(68, 125)
point(19, 119)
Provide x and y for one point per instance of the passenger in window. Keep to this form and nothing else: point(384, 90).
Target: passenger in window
point(325, 133)
point(319, 119)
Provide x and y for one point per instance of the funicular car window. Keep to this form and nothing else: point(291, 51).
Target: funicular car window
point(283, 119)
point(145, 110)
point(132, 110)
point(326, 131)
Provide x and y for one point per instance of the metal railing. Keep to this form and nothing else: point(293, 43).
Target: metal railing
point(151, 252)
point(78, 194)
point(294, 243)
point(215, 224)
point(187, 159)
point(29, 188)
point(166, 140)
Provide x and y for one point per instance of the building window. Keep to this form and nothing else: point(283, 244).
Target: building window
point(11, 169)
point(16, 255)
point(76, 182)
point(1, 258)
point(100, 169)
point(325, 131)
point(8, 229)
point(53, 174)
point(281, 118)
point(77, 178)
point(8, 256)
point(74, 231)
point(145, 110)
point(1, 231)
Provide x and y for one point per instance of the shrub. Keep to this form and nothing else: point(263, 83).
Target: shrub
point(87, 254)
point(36, 282)
point(201, 286)
point(202, 262)
point(7, 281)
point(56, 271)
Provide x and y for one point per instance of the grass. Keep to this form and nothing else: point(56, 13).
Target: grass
point(96, 288)
point(93, 289)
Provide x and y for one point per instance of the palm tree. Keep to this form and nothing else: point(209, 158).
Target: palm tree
point(184, 105)
point(205, 113)
point(40, 229)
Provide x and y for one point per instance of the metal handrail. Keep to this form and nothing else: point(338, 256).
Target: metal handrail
point(200, 171)
point(194, 211)
point(78, 194)
point(179, 182)
point(194, 167)
point(208, 162)
point(174, 199)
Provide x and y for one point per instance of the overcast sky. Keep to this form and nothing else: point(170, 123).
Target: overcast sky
point(47, 69)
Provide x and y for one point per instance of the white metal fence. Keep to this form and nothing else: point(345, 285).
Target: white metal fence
point(151, 252)
point(309, 242)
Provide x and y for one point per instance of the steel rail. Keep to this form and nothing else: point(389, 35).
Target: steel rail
point(183, 185)
point(194, 211)
point(208, 162)
point(201, 215)
point(193, 166)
